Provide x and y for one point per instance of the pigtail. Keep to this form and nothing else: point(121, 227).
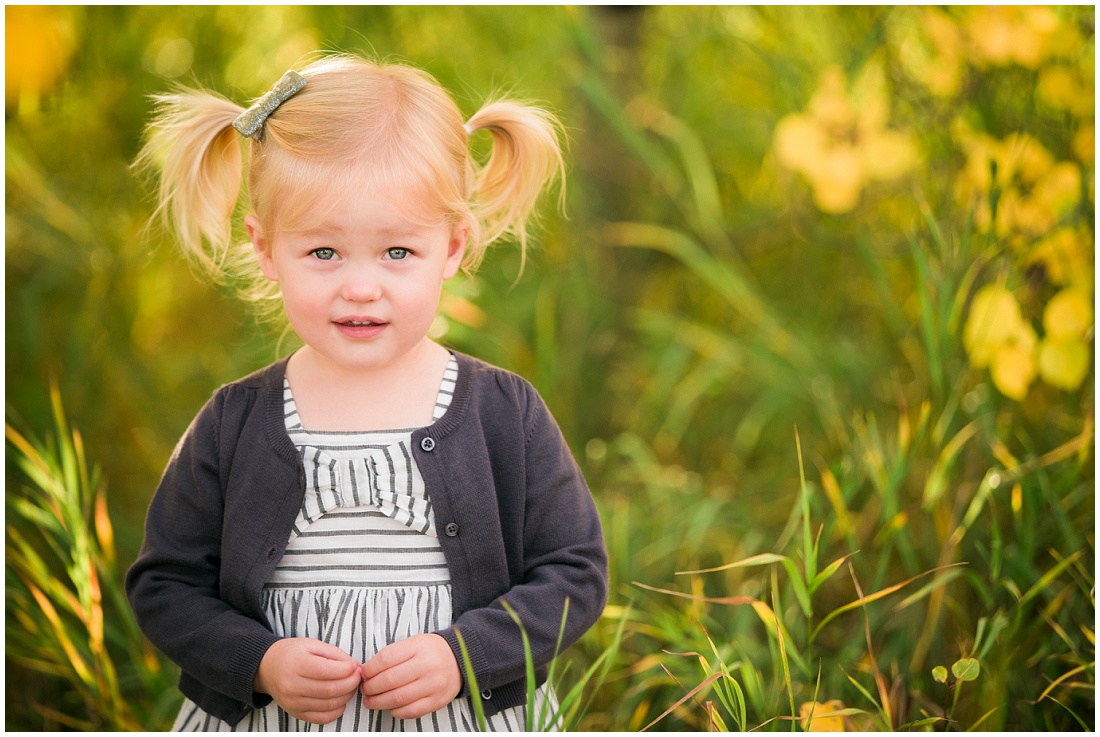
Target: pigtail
point(526, 157)
point(197, 152)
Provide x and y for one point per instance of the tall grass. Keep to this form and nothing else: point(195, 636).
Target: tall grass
point(66, 614)
point(934, 568)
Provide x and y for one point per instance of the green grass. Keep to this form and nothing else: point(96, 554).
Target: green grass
point(67, 619)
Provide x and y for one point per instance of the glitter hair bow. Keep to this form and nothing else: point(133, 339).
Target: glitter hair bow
point(252, 119)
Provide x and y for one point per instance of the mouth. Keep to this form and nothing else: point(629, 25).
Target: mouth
point(360, 328)
point(358, 323)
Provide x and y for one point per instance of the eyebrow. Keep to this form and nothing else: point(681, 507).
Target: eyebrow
point(326, 229)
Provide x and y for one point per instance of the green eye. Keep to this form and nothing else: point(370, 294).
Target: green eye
point(397, 253)
point(325, 254)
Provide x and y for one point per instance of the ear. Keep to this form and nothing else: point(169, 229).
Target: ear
point(456, 249)
point(262, 246)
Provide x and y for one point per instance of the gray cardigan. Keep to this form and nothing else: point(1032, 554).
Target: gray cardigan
point(517, 522)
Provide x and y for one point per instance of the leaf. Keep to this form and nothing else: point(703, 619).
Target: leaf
point(928, 588)
point(828, 571)
point(809, 547)
point(762, 559)
point(920, 723)
point(966, 669)
point(939, 476)
point(867, 694)
point(471, 681)
point(1049, 576)
point(783, 653)
point(1061, 678)
point(939, 674)
point(528, 661)
point(799, 587)
point(732, 600)
point(775, 629)
point(706, 682)
point(875, 596)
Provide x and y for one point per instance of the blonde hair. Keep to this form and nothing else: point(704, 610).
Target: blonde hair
point(392, 123)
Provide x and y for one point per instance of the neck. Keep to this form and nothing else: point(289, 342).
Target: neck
point(398, 395)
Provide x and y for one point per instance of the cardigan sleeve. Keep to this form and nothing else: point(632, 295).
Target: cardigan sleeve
point(563, 559)
point(174, 585)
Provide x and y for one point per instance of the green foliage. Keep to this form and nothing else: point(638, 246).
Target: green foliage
point(66, 617)
point(719, 280)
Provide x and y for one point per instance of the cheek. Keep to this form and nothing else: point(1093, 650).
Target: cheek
point(300, 300)
point(422, 299)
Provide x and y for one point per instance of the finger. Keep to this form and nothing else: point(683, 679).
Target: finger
point(343, 688)
point(398, 676)
point(417, 709)
point(329, 652)
point(395, 698)
point(388, 657)
point(316, 705)
point(319, 717)
point(321, 667)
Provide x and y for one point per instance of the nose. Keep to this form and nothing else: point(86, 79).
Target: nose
point(361, 283)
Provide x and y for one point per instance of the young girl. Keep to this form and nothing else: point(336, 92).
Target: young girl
point(331, 525)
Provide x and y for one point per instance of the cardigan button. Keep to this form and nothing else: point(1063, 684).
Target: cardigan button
point(427, 444)
point(487, 694)
point(451, 529)
point(271, 554)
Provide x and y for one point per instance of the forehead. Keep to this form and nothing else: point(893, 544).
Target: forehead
point(336, 197)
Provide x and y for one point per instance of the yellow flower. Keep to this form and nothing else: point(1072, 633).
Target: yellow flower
point(1013, 365)
point(888, 154)
point(996, 335)
point(839, 146)
point(933, 58)
point(1065, 256)
point(1004, 35)
point(981, 150)
point(1084, 144)
point(1061, 87)
point(817, 717)
point(1063, 354)
point(1035, 190)
point(1025, 157)
point(1058, 189)
point(1063, 363)
point(800, 142)
point(993, 320)
point(38, 43)
point(830, 105)
point(1068, 314)
point(837, 180)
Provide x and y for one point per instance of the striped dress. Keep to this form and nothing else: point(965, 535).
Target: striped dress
point(363, 569)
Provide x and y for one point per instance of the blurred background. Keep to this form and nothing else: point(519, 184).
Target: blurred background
point(817, 323)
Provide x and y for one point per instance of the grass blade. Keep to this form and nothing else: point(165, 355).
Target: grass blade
point(471, 682)
point(529, 664)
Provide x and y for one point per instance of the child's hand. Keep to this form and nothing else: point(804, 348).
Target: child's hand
point(311, 680)
point(412, 677)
